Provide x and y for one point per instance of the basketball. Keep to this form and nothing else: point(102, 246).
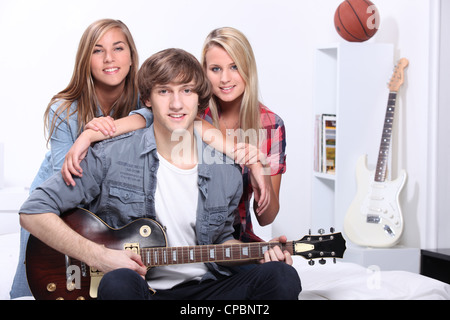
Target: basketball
point(356, 20)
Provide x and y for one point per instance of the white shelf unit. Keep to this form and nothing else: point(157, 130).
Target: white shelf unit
point(350, 82)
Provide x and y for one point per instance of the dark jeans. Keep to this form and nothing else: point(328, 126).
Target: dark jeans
point(268, 281)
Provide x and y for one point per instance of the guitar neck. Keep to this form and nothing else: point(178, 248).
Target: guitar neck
point(383, 154)
point(164, 256)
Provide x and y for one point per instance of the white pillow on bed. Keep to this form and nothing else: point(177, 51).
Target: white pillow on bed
point(350, 281)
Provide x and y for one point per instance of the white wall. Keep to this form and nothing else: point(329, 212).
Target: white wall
point(39, 41)
point(442, 130)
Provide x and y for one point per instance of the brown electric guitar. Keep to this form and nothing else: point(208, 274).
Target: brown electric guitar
point(55, 276)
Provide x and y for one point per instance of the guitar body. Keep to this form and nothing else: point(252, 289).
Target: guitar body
point(52, 275)
point(374, 218)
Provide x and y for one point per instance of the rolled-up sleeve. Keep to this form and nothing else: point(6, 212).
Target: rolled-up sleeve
point(54, 196)
point(146, 113)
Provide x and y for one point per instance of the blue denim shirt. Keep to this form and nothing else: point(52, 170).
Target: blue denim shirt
point(64, 137)
point(119, 183)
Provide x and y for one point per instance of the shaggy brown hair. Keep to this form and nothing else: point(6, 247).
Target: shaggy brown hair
point(174, 66)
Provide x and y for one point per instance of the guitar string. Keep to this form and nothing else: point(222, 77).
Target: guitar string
point(195, 254)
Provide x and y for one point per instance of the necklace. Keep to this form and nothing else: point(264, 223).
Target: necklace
point(228, 130)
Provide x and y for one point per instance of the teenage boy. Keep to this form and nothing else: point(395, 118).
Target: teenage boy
point(168, 174)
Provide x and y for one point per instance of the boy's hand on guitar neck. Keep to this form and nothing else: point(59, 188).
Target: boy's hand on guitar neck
point(276, 254)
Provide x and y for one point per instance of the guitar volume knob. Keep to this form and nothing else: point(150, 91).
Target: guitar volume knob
point(51, 287)
point(71, 286)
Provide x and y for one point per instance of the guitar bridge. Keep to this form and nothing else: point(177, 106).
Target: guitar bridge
point(373, 219)
point(389, 231)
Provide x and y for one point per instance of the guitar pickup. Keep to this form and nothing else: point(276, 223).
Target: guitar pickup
point(373, 219)
point(376, 198)
point(134, 247)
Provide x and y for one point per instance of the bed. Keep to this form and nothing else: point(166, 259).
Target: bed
point(340, 281)
point(350, 281)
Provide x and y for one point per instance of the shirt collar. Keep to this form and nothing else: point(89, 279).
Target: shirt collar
point(148, 144)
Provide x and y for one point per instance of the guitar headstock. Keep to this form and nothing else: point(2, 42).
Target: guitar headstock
point(398, 77)
point(320, 246)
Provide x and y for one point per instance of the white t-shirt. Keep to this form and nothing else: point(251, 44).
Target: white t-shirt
point(176, 200)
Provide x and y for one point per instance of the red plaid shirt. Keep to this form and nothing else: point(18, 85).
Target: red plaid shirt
point(274, 146)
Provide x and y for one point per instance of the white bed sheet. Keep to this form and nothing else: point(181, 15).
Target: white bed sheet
point(350, 281)
point(340, 281)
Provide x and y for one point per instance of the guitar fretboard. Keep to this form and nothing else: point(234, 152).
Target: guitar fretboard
point(383, 155)
point(163, 256)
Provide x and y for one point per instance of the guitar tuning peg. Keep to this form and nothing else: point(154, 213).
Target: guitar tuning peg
point(322, 261)
point(309, 231)
point(321, 231)
point(334, 260)
point(332, 230)
point(311, 262)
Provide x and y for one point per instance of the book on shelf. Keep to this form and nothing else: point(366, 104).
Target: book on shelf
point(325, 143)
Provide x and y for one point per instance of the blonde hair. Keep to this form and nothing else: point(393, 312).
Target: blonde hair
point(238, 47)
point(81, 86)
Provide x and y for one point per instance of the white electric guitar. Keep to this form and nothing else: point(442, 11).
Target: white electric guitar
point(374, 218)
